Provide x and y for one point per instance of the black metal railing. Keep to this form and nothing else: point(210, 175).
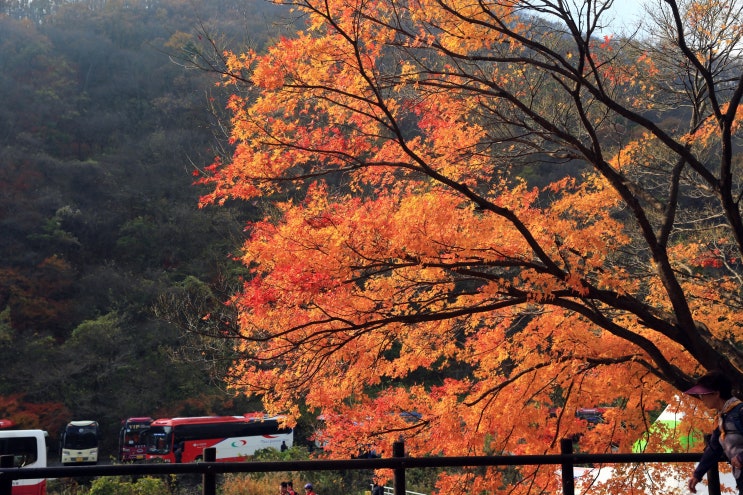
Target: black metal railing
point(209, 469)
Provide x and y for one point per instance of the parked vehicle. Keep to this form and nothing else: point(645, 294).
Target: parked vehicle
point(79, 443)
point(234, 437)
point(28, 448)
point(132, 446)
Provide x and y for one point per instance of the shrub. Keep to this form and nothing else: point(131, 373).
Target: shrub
point(117, 486)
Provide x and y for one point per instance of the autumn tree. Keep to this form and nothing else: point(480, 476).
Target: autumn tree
point(415, 279)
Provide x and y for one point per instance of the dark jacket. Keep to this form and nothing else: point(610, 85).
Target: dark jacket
point(713, 451)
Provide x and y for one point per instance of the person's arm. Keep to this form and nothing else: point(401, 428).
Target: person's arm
point(712, 454)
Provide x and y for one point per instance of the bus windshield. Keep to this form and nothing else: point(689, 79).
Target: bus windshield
point(132, 446)
point(81, 437)
point(159, 439)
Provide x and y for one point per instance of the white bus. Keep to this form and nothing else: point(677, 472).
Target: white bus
point(28, 448)
point(79, 443)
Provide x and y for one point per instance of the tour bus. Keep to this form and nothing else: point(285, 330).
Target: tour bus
point(234, 437)
point(79, 443)
point(28, 448)
point(132, 446)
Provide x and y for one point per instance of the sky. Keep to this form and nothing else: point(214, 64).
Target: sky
point(623, 14)
point(626, 13)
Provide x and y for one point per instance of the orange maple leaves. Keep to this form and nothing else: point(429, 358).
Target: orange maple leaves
point(410, 283)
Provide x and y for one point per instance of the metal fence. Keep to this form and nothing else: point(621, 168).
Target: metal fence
point(390, 490)
point(209, 469)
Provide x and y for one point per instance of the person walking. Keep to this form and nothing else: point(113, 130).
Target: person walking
point(715, 390)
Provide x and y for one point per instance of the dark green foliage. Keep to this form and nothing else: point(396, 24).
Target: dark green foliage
point(99, 224)
point(117, 486)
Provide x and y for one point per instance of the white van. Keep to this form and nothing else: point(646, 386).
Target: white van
point(28, 448)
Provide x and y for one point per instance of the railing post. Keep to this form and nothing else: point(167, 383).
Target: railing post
point(568, 475)
point(398, 450)
point(713, 480)
point(6, 483)
point(210, 478)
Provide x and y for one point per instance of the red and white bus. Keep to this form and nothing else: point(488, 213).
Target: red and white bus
point(234, 437)
point(132, 446)
point(28, 448)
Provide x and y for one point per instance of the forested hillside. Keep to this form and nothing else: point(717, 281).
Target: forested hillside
point(101, 128)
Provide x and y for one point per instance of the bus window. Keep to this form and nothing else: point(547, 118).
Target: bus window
point(23, 450)
point(158, 440)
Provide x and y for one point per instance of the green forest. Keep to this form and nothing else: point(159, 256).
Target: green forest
point(109, 268)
